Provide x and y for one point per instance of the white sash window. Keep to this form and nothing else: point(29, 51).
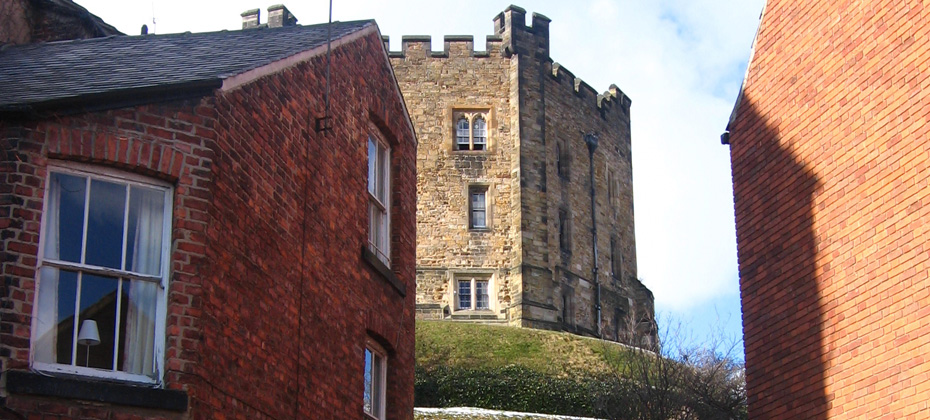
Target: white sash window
point(103, 274)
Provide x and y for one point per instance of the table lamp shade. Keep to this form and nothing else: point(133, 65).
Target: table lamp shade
point(89, 336)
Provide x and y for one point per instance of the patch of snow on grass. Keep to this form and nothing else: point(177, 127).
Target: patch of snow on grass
point(469, 412)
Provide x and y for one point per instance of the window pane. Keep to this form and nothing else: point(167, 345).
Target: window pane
point(477, 200)
point(137, 327)
point(377, 232)
point(480, 133)
point(146, 230)
point(372, 166)
point(377, 388)
point(478, 205)
point(105, 224)
point(481, 295)
point(461, 134)
point(478, 219)
point(465, 294)
point(55, 324)
point(65, 220)
point(98, 303)
point(384, 174)
point(368, 382)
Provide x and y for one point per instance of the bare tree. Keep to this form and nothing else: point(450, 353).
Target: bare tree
point(678, 381)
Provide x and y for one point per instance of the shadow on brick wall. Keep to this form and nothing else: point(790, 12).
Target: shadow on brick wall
point(782, 319)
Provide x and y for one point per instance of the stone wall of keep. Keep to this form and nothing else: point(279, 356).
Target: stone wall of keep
point(829, 158)
point(536, 104)
point(435, 85)
point(557, 109)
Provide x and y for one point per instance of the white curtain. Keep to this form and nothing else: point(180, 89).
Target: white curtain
point(139, 348)
point(47, 324)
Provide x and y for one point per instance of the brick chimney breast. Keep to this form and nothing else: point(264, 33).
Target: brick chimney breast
point(250, 18)
point(279, 16)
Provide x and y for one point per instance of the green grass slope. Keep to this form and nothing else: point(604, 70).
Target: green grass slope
point(507, 368)
point(477, 346)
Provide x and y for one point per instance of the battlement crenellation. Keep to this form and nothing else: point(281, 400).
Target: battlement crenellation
point(511, 36)
point(604, 101)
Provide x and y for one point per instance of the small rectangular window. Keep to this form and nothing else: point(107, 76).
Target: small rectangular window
point(562, 160)
point(473, 292)
point(375, 381)
point(478, 207)
point(616, 259)
point(568, 306)
point(564, 231)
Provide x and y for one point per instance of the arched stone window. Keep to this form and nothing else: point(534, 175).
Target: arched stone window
point(471, 130)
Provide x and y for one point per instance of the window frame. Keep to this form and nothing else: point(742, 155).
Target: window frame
point(472, 280)
point(381, 250)
point(471, 116)
point(94, 172)
point(472, 191)
point(379, 399)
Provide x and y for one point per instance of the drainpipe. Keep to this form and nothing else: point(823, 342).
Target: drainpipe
point(591, 140)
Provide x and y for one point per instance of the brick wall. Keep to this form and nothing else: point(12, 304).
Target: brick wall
point(172, 142)
point(290, 322)
point(270, 301)
point(829, 169)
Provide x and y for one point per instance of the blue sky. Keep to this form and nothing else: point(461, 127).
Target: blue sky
point(681, 62)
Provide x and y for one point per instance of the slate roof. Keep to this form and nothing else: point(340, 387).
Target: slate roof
point(31, 75)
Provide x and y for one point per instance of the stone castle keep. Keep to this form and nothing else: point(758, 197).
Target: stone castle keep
point(525, 194)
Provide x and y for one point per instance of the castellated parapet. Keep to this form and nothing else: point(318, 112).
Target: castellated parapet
point(510, 145)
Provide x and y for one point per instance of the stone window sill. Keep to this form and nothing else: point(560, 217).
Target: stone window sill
point(383, 270)
point(29, 383)
point(472, 152)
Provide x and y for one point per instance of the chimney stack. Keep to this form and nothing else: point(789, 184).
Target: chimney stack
point(250, 18)
point(279, 16)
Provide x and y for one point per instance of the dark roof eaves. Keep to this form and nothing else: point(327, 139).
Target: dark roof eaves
point(160, 92)
point(113, 99)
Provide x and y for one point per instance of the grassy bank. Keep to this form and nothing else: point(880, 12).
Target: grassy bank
point(506, 368)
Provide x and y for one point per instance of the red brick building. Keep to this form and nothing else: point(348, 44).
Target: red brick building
point(192, 230)
point(829, 146)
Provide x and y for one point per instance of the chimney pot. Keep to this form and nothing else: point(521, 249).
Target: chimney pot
point(250, 18)
point(279, 16)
